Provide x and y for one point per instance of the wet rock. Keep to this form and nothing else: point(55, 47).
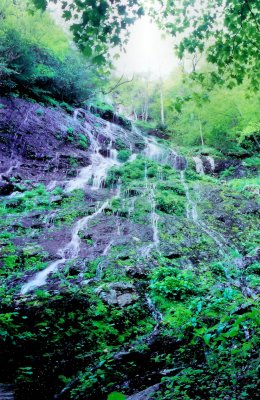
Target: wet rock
point(136, 272)
point(111, 116)
point(56, 199)
point(179, 163)
point(251, 207)
point(118, 294)
point(146, 394)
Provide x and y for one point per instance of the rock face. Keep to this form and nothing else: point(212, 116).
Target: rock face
point(43, 144)
point(248, 260)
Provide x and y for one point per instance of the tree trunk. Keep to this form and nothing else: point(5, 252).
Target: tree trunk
point(201, 134)
point(162, 108)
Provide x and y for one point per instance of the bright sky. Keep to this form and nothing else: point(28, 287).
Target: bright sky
point(147, 51)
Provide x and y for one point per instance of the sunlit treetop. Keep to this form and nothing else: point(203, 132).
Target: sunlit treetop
point(98, 24)
point(226, 31)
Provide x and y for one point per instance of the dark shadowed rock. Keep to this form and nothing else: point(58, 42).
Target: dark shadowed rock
point(6, 188)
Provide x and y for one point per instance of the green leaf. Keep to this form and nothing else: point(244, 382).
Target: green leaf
point(207, 338)
point(116, 396)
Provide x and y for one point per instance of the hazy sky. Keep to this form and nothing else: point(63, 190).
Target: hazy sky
point(147, 51)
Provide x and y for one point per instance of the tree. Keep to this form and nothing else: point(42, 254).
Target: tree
point(97, 25)
point(228, 31)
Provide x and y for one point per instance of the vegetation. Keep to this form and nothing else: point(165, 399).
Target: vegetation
point(37, 61)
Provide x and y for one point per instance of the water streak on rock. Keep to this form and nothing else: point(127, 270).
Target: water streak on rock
point(198, 165)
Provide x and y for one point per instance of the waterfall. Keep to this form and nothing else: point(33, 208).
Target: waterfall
point(153, 151)
point(97, 170)
point(199, 165)
point(146, 250)
point(99, 269)
point(154, 218)
point(157, 315)
point(191, 209)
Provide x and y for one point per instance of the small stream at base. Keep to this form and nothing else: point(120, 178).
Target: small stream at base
point(6, 392)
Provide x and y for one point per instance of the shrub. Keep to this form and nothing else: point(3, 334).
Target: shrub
point(123, 155)
point(174, 283)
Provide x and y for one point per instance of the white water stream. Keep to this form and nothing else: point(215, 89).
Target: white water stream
point(96, 172)
point(198, 165)
point(211, 162)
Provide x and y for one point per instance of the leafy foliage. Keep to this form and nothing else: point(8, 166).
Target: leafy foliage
point(45, 69)
point(95, 25)
point(227, 31)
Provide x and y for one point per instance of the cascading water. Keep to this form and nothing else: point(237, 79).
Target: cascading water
point(153, 151)
point(224, 248)
point(146, 250)
point(69, 252)
point(154, 218)
point(157, 315)
point(97, 171)
point(198, 165)
point(211, 163)
point(191, 209)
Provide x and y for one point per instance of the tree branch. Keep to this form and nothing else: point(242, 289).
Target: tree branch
point(118, 84)
point(253, 15)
